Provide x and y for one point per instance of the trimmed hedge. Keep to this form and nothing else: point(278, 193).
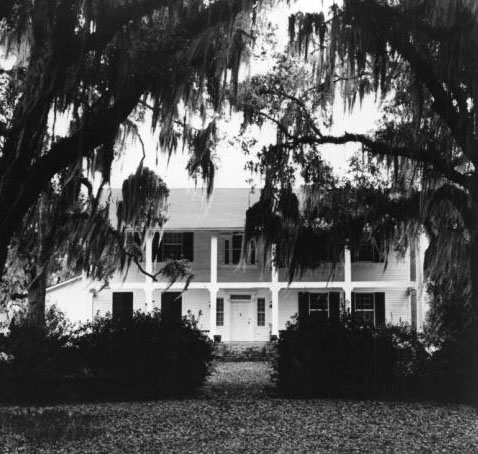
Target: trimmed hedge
point(145, 357)
point(321, 359)
point(148, 356)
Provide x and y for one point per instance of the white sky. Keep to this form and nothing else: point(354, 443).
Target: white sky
point(231, 160)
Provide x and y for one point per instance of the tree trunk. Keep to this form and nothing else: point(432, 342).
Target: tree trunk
point(474, 288)
point(36, 300)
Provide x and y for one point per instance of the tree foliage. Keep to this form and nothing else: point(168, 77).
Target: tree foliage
point(94, 62)
point(71, 231)
point(419, 58)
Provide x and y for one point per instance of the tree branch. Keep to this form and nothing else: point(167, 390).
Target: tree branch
point(216, 12)
point(424, 68)
point(384, 149)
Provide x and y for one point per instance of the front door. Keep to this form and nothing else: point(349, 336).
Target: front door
point(241, 320)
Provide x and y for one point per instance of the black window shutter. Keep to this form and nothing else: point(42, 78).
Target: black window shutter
point(353, 306)
point(334, 307)
point(252, 258)
point(226, 252)
point(188, 246)
point(123, 306)
point(158, 249)
point(155, 248)
point(303, 306)
point(171, 306)
point(379, 308)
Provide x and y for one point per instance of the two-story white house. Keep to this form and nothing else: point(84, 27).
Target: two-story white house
point(245, 302)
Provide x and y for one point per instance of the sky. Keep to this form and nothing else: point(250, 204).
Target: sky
point(231, 159)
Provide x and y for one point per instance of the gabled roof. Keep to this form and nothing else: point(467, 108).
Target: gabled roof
point(191, 209)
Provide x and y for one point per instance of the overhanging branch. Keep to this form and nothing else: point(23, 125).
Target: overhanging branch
point(384, 149)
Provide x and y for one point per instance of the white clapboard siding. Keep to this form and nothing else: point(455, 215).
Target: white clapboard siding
point(396, 269)
point(73, 298)
point(325, 273)
point(103, 302)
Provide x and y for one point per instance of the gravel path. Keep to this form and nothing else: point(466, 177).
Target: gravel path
point(233, 414)
point(238, 380)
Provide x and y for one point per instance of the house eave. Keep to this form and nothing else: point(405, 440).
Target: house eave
point(61, 284)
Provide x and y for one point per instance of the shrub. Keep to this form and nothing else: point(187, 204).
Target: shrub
point(33, 361)
point(147, 356)
point(318, 358)
point(450, 373)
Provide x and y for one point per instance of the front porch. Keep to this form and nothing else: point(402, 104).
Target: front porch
point(238, 310)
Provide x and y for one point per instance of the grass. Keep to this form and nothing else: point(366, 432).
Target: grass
point(233, 414)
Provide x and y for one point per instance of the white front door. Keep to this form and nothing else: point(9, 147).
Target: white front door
point(241, 320)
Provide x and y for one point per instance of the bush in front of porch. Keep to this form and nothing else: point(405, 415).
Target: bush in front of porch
point(316, 358)
point(147, 356)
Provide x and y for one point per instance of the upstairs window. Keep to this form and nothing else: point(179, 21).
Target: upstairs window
point(174, 246)
point(366, 252)
point(233, 250)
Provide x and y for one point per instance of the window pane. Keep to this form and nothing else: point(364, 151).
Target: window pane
point(173, 245)
point(220, 312)
point(318, 302)
point(261, 312)
point(367, 252)
point(173, 238)
point(365, 317)
point(173, 251)
point(236, 241)
point(365, 308)
point(236, 248)
point(364, 301)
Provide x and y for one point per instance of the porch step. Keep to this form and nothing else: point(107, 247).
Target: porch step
point(244, 351)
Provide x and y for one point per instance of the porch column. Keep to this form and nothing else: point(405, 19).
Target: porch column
point(275, 294)
point(212, 311)
point(149, 269)
point(213, 287)
point(275, 311)
point(348, 279)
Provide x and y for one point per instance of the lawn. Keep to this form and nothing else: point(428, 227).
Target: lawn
point(233, 414)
